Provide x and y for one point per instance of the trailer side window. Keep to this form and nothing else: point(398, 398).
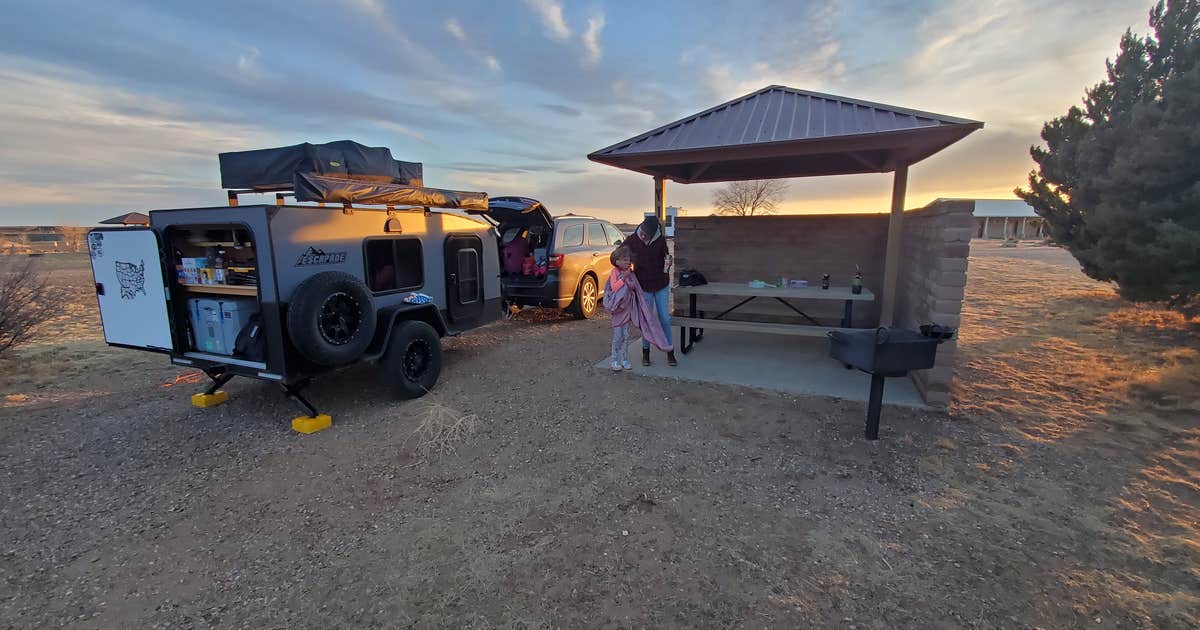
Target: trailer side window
point(394, 264)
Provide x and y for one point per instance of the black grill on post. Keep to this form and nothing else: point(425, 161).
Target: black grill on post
point(886, 352)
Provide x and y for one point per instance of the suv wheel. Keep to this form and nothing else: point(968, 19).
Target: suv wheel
point(586, 298)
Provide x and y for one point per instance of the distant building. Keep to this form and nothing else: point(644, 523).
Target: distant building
point(41, 239)
point(128, 219)
point(673, 212)
point(1007, 219)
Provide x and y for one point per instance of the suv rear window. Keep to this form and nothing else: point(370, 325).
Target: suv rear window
point(595, 234)
point(572, 236)
point(394, 264)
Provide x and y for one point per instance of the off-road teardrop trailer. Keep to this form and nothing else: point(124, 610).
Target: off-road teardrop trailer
point(284, 292)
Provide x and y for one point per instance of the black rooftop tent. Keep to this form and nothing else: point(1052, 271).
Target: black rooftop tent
point(781, 132)
point(343, 172)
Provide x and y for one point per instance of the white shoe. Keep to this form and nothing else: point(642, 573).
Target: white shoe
point(616, 366)
point(627, 365)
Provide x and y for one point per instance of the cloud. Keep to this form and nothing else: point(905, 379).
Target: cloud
point(453, 27)
point(553, 22)
point(801, 51)
point(370, 7)
point(591, 39)
point(401, 129)
point(102, 147)
point(246, 63)
point(456, 30)
point(129, 114)
point(562, 109)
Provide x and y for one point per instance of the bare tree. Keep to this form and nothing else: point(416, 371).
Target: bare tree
point(745, 199)
point(25, 300)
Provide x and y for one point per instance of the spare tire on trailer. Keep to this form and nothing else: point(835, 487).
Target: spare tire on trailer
point(331, 318)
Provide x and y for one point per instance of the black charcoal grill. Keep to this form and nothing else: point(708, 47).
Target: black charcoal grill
point(883, 353)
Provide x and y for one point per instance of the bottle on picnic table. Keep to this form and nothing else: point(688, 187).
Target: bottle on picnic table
point(825, 281)
point(856, 283)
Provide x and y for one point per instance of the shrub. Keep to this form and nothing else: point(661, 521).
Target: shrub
point(25, 300)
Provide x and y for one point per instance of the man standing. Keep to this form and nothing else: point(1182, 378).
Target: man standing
point(652, 265)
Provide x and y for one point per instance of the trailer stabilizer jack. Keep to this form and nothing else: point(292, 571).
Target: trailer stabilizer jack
point(214, 395)
point(314, 421)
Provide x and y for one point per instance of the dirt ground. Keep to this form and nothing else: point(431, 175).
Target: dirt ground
point(1061, 490)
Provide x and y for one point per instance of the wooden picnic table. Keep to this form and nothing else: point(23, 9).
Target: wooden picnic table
point(691, 328)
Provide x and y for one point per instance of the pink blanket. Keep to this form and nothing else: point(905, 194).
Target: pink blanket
point(624, 298)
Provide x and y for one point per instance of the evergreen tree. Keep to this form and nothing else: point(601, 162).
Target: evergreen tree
point(1119, 179)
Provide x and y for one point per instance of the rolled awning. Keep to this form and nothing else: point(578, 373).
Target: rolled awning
point(311, 187)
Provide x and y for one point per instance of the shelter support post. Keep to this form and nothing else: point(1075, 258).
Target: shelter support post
point(985, 228)
point(891, 265)
point(660, 199)
point(1006, 228)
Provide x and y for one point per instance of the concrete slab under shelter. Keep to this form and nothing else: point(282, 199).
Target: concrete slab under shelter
point(796, 365)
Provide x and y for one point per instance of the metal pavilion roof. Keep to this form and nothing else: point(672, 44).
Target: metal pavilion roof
point(780, 131)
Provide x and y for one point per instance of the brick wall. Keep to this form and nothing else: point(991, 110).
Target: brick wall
point(741, 249)
point(930, 283)
point(933, 276)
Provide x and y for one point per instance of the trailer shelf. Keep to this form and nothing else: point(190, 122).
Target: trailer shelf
point(223, 289)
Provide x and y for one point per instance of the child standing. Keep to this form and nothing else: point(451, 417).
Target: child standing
point(624, 298)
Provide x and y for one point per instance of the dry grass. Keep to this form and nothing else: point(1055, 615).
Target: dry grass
point(441, 429)
point(1063, 362)
point(1050, 351)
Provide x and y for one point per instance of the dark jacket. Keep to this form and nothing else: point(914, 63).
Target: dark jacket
point(648, 261)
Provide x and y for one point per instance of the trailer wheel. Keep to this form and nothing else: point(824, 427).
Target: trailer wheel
point(413, 359)
point(331, 318)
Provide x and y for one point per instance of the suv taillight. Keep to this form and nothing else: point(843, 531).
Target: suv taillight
point(556, 261)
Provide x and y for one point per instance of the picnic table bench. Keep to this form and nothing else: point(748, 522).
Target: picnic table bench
point(691, 328)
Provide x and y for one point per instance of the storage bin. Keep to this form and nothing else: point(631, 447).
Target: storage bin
point(216, 323)
point(205, 315)
point(235, 312)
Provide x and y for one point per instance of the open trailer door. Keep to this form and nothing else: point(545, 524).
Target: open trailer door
point(127, 268)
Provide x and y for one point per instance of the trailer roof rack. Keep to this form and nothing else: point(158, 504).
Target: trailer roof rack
point(233, 197)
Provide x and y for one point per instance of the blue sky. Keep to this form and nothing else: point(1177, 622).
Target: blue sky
point(108, 107)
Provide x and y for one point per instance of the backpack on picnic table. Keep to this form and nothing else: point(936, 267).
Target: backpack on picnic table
point(691, 278)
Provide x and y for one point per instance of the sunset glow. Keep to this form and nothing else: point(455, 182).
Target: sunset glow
point(124, 106)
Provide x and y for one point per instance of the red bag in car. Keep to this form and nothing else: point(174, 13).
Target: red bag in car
point(514, 253)
point(527, 266)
